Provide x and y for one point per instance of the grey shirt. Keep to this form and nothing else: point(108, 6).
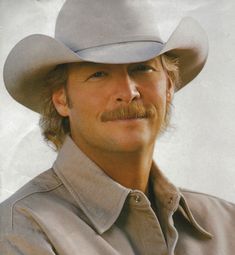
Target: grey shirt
point(75, 208)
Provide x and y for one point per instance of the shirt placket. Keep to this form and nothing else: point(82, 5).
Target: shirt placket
point(150, 239)
point(167, 211)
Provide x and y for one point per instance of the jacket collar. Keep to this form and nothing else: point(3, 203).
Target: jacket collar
point(170, 199)
point(89, 186)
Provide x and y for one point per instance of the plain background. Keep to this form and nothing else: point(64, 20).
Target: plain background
point(198, 151)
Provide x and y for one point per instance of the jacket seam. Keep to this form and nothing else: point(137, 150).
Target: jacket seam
point(28, 195)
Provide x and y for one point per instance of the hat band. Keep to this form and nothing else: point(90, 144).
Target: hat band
point(118, 43)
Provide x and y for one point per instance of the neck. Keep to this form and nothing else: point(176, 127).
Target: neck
point(130, 169)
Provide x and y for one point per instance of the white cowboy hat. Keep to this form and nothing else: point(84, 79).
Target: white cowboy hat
point(104, 31)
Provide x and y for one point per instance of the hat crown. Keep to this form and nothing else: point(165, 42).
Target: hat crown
point(83, 24)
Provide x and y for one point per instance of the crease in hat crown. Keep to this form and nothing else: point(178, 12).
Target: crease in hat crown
point(106, 22)
point(104, 31)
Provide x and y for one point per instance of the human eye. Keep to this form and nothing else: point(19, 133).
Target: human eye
point(97, 75)
point(143, 68)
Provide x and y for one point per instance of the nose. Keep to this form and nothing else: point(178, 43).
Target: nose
point(126, 89)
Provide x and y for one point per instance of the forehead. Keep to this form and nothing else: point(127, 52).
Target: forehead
point(93, 65)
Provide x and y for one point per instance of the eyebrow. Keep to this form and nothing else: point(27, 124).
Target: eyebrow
point(84, 64)
point(150, 61)
point(87, 64)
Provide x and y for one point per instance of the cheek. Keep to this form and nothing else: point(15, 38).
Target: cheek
point(86, 105)
point(154, 92)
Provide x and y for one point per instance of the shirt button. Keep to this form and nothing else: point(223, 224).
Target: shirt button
point(137, 198)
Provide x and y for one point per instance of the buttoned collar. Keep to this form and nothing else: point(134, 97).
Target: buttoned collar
point(170, 199)
point(101, 198)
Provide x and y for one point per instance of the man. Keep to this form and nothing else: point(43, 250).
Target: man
point(104, 88)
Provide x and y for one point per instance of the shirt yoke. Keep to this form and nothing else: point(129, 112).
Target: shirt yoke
point(45, 182)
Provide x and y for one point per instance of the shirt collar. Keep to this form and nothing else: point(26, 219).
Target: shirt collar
point(166, 194)
point(89, 186)
point(171, 199)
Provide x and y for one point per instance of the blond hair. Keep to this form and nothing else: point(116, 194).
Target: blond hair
point(55, 127)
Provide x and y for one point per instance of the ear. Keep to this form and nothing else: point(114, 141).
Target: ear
point(170, 90)
point(59, 100)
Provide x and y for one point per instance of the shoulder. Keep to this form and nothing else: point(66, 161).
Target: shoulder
point(206, 200)
point(216, 214)
point(45, 182)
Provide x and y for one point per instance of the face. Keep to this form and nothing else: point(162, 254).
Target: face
point(115, 107)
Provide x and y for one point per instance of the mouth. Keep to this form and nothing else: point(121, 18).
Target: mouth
point(132, 112)
point(128, 118)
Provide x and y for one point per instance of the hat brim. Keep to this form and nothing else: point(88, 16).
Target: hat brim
point(33, 57)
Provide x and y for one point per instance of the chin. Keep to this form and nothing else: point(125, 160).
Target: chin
point(130, 144)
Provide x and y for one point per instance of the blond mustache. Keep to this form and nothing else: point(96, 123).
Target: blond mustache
point(131, 111)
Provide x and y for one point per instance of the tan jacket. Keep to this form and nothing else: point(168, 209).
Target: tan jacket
point(75, 209)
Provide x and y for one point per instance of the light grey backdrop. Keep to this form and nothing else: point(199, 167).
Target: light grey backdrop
point(198, 152)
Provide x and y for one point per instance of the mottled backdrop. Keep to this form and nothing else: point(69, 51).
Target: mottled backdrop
point(198, 151)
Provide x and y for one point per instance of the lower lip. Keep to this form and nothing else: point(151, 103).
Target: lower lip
point(127, 120)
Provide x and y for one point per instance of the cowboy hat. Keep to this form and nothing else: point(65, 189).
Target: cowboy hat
point(104, 31)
